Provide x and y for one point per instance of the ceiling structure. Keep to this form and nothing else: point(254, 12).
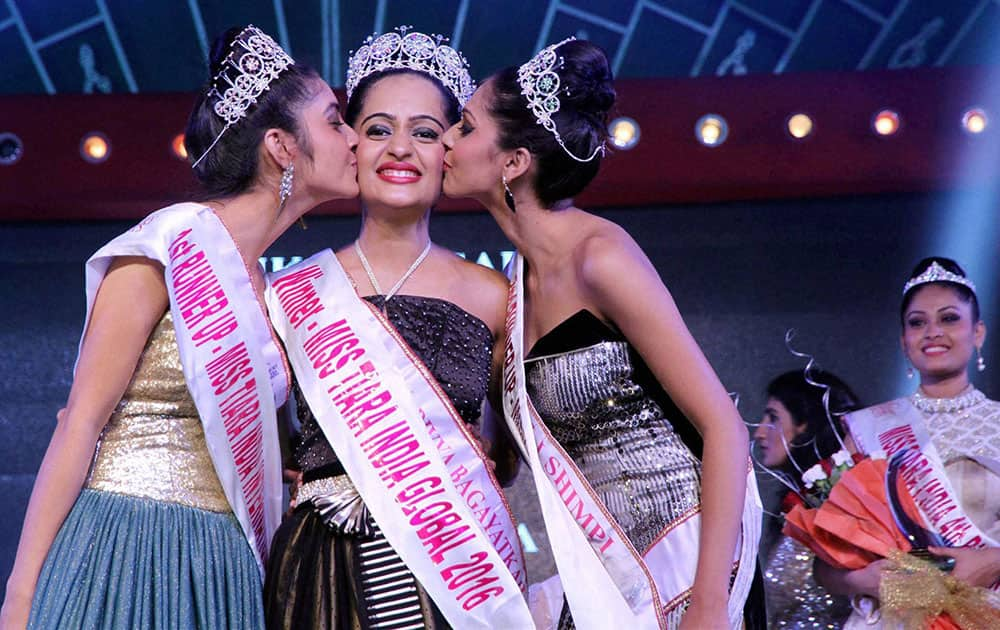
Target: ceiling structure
point(122, 46)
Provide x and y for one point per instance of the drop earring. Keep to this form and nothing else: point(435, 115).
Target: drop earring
point(980, 362)
point(508, 196)
point(285, 189)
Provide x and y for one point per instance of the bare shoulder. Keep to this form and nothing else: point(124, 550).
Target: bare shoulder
point(485, 278)
point(479, 290)
point(608, 254)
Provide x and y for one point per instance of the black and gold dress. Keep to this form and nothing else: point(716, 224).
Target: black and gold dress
point(330, 567)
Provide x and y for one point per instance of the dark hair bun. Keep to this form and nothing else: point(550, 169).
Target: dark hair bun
point(587, 82)
point(228, 162)
point(221, 48)
point(586, 95)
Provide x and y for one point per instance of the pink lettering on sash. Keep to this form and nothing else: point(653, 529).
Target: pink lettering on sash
point(207, 315)
point(356, 389)
point(917, 472)
point(297, 294)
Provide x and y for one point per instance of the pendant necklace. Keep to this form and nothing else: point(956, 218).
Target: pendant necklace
point(399, 283)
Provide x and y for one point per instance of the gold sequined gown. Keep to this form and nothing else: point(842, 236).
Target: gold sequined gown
point(151, 542)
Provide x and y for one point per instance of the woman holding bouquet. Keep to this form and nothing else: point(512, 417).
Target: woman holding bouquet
point(794, 434)
point(945, 438)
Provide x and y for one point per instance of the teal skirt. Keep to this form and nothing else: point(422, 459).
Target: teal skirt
point(128, 562)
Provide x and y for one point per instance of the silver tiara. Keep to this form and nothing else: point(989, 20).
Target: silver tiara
point(937, 273)
point(539, 81)
point(412, 51)
point(253, 62)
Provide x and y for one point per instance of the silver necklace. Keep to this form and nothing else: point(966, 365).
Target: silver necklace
point(968, 398)
point(402, 279)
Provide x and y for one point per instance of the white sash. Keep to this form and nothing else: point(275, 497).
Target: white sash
point(420, 472)
point(613, 585)
point(897, 425)
point(231, 362)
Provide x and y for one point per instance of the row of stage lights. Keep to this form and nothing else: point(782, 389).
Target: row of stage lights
point(711, 130)
point(95, 147)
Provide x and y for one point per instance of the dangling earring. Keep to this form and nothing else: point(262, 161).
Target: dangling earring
point(285, 189)
point(980, 363)
point(909, 370)
point(507, 195)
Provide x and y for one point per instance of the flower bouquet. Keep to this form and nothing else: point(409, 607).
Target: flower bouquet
point(845, 516)
point(853, 512)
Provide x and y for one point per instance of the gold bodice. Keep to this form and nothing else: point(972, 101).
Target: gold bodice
point(154, 446)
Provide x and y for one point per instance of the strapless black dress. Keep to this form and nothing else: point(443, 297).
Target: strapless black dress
point(330, 567)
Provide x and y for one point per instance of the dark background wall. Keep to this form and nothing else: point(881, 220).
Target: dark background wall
point(741, 273)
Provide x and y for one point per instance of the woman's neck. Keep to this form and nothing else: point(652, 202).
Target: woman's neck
point(388, 236)
point(539, 234)
point(944, 387)
point(254, 220)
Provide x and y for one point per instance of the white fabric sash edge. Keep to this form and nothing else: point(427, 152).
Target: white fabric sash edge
point(614, 583)
point(896, 425)
point(404, 447)
point(230, 360)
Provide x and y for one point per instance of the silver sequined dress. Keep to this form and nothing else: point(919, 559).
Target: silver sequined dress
point(794, 599)
point(599, 400)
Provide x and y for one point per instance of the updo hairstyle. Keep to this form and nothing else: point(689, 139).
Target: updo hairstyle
point(964, 293)
point(230, 168)
point(356, 103)
point(586, 95)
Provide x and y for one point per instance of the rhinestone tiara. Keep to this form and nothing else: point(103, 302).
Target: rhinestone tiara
point(937, 273)
point(539, 81)
point(253, 62)
point(412, 50)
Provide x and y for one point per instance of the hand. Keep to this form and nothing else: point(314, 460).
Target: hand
point(294, 480)
point(978, 567)
point(705, 617)
point(866, 581)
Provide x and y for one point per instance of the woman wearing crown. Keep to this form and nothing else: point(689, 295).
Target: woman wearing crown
point(605, 390)
point(946, 434)
point(172, 407)
point(399, 521)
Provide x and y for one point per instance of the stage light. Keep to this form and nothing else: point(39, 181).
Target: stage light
point(799, 126)
point(95, 147)
point(11, 148)
point(711, 130)
point(177, 146)
point(974, 120)
point(624, 133)
point(886, 122)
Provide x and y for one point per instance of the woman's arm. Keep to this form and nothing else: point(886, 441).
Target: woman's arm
point(490, 290)
point(623, 284)
point(129, 303)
